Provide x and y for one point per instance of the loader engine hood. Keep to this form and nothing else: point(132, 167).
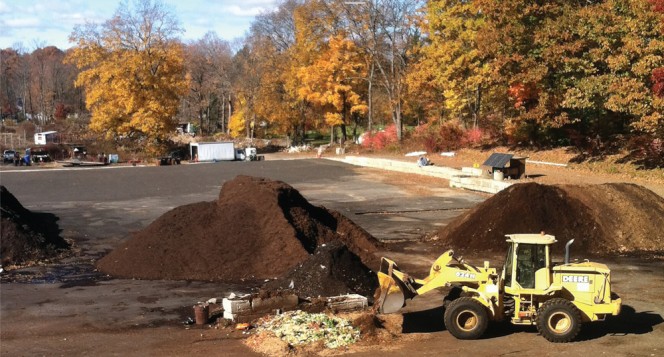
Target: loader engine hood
point(589, 287)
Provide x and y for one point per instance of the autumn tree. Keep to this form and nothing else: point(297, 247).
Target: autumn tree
point(655, 124)
point(208, 64)
point(451, 62)
point(10, 83)
point(601, 63)
point(400, 35)
point(279, 106)
point(387, 32)
point(331, 82)
point(133, 72)
point(246, 85)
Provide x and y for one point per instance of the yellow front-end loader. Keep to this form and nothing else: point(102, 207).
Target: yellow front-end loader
point(530, 290)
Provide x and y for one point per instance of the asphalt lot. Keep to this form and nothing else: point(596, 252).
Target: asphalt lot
point(93, 199)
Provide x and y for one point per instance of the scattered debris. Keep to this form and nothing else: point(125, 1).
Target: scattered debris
point(242, 326)
point(347, 302)
point(298, 149)
point(250, 307)
point(416, 153)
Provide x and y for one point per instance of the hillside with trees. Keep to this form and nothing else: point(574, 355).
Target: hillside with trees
point(436, 74)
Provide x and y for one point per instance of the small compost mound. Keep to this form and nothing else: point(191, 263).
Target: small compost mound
point(257, 229)
point(26, 236)
point(332, 270)
point(616, 218)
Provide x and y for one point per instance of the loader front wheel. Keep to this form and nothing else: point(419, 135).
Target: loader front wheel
point(466, 319)
point(558, 320)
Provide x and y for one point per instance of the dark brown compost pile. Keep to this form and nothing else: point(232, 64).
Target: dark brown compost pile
point(615, 218)
point(332, 270)
point(26, 236)
point(257, 229)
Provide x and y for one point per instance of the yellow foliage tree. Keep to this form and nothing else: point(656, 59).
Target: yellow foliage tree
point(237, 122)
point(331, 81)
point(452, 63)
point(132, 71)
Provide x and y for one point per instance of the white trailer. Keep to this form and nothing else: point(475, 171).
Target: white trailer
point(212, 151)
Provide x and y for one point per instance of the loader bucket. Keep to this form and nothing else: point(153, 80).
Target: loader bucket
point(391, 296)
point(395, 287)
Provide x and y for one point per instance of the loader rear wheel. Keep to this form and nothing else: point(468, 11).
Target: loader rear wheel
point(558, 320)
point(466, 319)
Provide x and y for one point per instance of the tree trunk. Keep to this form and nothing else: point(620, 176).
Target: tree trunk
point(230, 114)
point(344, 120)
point(355, 136)
point(478, 102)
point(344, 135)
point(370, 97)
point(200, 120)
point(209, 129)
point(222, 114)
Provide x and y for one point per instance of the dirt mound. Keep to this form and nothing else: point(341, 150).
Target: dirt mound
point(603, 219)
point(24, 235)
point(257, 229)
point(332, 270)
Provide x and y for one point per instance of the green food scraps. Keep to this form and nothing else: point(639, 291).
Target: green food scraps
point(301, 328)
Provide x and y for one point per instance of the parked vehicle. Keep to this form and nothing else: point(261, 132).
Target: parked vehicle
point(8, 156)
point(173, 158)
point(39, 154)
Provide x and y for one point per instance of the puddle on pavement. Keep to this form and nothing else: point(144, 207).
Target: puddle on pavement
point(69, 275)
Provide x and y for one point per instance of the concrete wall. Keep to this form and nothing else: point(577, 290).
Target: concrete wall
point(467, 178)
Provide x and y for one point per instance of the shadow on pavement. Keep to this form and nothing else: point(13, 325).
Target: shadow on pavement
point(424, 321)
point(628, 322)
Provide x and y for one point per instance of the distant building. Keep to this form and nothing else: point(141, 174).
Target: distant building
point(46, 137)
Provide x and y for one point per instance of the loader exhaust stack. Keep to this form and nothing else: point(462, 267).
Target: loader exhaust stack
point(569, 243)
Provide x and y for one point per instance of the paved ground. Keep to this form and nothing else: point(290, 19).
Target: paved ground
point(68, 309)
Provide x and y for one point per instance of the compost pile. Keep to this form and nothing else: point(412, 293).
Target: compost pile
point(26, 236)
point(332, 270)
point(607, 219)
point(257, 229)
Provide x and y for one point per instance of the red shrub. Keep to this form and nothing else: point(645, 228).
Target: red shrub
point(474, 136)
point(380, 140)
point(445, 137)
point(658, 81)
point(658, 5)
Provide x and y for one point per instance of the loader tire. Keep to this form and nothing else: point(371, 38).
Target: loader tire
point(466, 319)
point(558, 320)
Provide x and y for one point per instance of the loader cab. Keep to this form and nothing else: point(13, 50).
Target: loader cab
point(528, 262)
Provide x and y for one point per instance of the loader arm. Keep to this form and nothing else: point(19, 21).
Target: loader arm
point(397, 286)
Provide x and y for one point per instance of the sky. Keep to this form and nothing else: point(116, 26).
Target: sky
point(39, 23)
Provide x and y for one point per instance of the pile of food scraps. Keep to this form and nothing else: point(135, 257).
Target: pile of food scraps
point(301, 328)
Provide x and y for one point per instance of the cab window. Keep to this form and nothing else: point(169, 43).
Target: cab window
point(508, 266)
point(530, 258)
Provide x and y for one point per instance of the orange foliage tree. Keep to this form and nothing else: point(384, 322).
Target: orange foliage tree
point(331, 82)
point(132, 70)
